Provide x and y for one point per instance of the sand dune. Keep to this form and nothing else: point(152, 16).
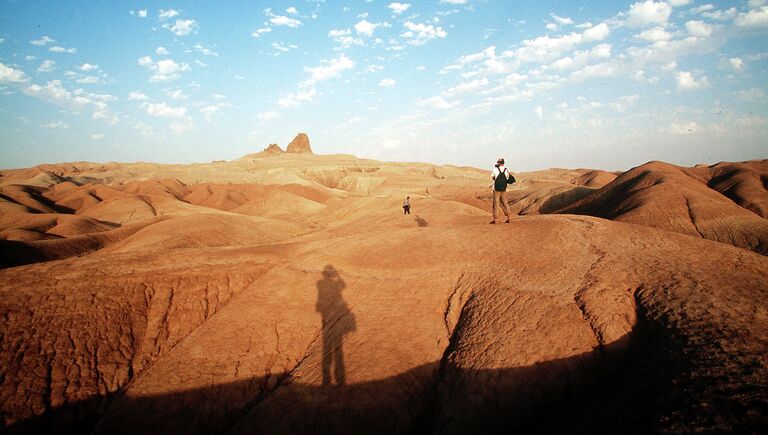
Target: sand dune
point(286, 292)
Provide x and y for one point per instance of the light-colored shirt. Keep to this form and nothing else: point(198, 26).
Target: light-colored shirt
point(498, 170)
point(406, 202)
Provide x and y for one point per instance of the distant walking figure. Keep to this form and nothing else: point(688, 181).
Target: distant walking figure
point(501, 178)
point(338, 321)
point(407, 205)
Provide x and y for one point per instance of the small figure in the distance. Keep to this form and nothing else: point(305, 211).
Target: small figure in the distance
point(501, 177)
point(427, 192)
point(407, 205)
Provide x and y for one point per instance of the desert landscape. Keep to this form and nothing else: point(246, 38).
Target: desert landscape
point(286, 292)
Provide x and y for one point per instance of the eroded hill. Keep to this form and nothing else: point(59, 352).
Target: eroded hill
point(286, 293)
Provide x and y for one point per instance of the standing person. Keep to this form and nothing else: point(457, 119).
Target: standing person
point(407, 205)
point(499, 176)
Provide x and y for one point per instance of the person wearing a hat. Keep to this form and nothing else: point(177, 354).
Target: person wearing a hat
point(499, 176)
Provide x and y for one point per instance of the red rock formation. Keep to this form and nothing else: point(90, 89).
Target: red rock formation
point(299, 144)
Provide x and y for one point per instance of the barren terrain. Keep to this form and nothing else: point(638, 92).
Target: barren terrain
point(286, 292)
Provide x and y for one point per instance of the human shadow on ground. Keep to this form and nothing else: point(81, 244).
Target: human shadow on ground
point(337, 321)
point(638, 384)
point(421, 221)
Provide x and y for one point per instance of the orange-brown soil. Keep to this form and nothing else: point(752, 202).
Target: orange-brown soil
point(288, 293)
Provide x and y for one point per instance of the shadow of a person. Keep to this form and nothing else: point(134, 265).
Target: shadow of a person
point(338, 321)
point(421, 221)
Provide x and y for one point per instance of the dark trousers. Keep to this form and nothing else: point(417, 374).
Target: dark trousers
point(406, 209)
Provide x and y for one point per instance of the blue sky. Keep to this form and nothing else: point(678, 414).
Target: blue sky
point(606, 84)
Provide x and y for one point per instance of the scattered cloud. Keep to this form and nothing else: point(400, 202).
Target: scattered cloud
point(386, 83)
point(258, 32)
point(437, 102)
point(163, 110)
point(366, 28)
point(753, 94)
point(12, 75)
point(96, 136)
point(167, 14)
point(46, 66)
point(699, 28)
point(307, 91)
point(754, 18)
point(206, 51)
point(161, 51)
point(399, 8)
point(267, 116)
point(420, 34)
point(45, 40)
point(57, 125)
point(182, 27)
point(87, 67)
point(292, 10)
point(539, 112)
point(283, 48)
point(648, 13)
point(163, 70)
point(58, 49)
point(175, 94)
point(687, 81)
point(737, 64)
point(282, 20)
point(137, 95)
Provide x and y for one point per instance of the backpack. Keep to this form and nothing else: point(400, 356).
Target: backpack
point(500, 183)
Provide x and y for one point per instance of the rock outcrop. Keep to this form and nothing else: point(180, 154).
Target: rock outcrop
point(299, 144)
point(272, 150)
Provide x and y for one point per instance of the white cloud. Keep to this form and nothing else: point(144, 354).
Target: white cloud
point(258, 32)
point(163, 110)
point(209, 111)
point(708, 11)
point(539, 112)
point(333, 69)
point(77, 100)
point(182, 27)
point(365, 28)
point(648, 12)
point(142, 13)
point(399, 8)
point(454, 2)
point(753, 94)
point(58, 49)
point(175, 94)
point(166, 14)
point(756, 3)
point(437, 102)
point(737, 64)
point(699, 28)
point(267, 116)
point(136, 95)
point(296, 98)
point(292, 10)
point(86, 67)
point(386, 83)
point(471, 86)
point(754, 18)
point(282, 20)
point(12, 75)
point(161, 51)
point(283, 47)
point(420, 34)
point(42, 41)
point(206, 51)
point(164, 70)
point(625, 102)
point(57, 124)
point(654, 34)
point(596, 33)
point(46, 66)
point(96, 136)
point(678, 3)
point(344, 37)
point(686, 81)
point(563, 21)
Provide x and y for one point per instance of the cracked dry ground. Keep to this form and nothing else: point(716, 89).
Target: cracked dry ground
point(549, 324)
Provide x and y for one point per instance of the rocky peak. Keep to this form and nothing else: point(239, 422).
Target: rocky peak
point(299, 144)
point(273, 149)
